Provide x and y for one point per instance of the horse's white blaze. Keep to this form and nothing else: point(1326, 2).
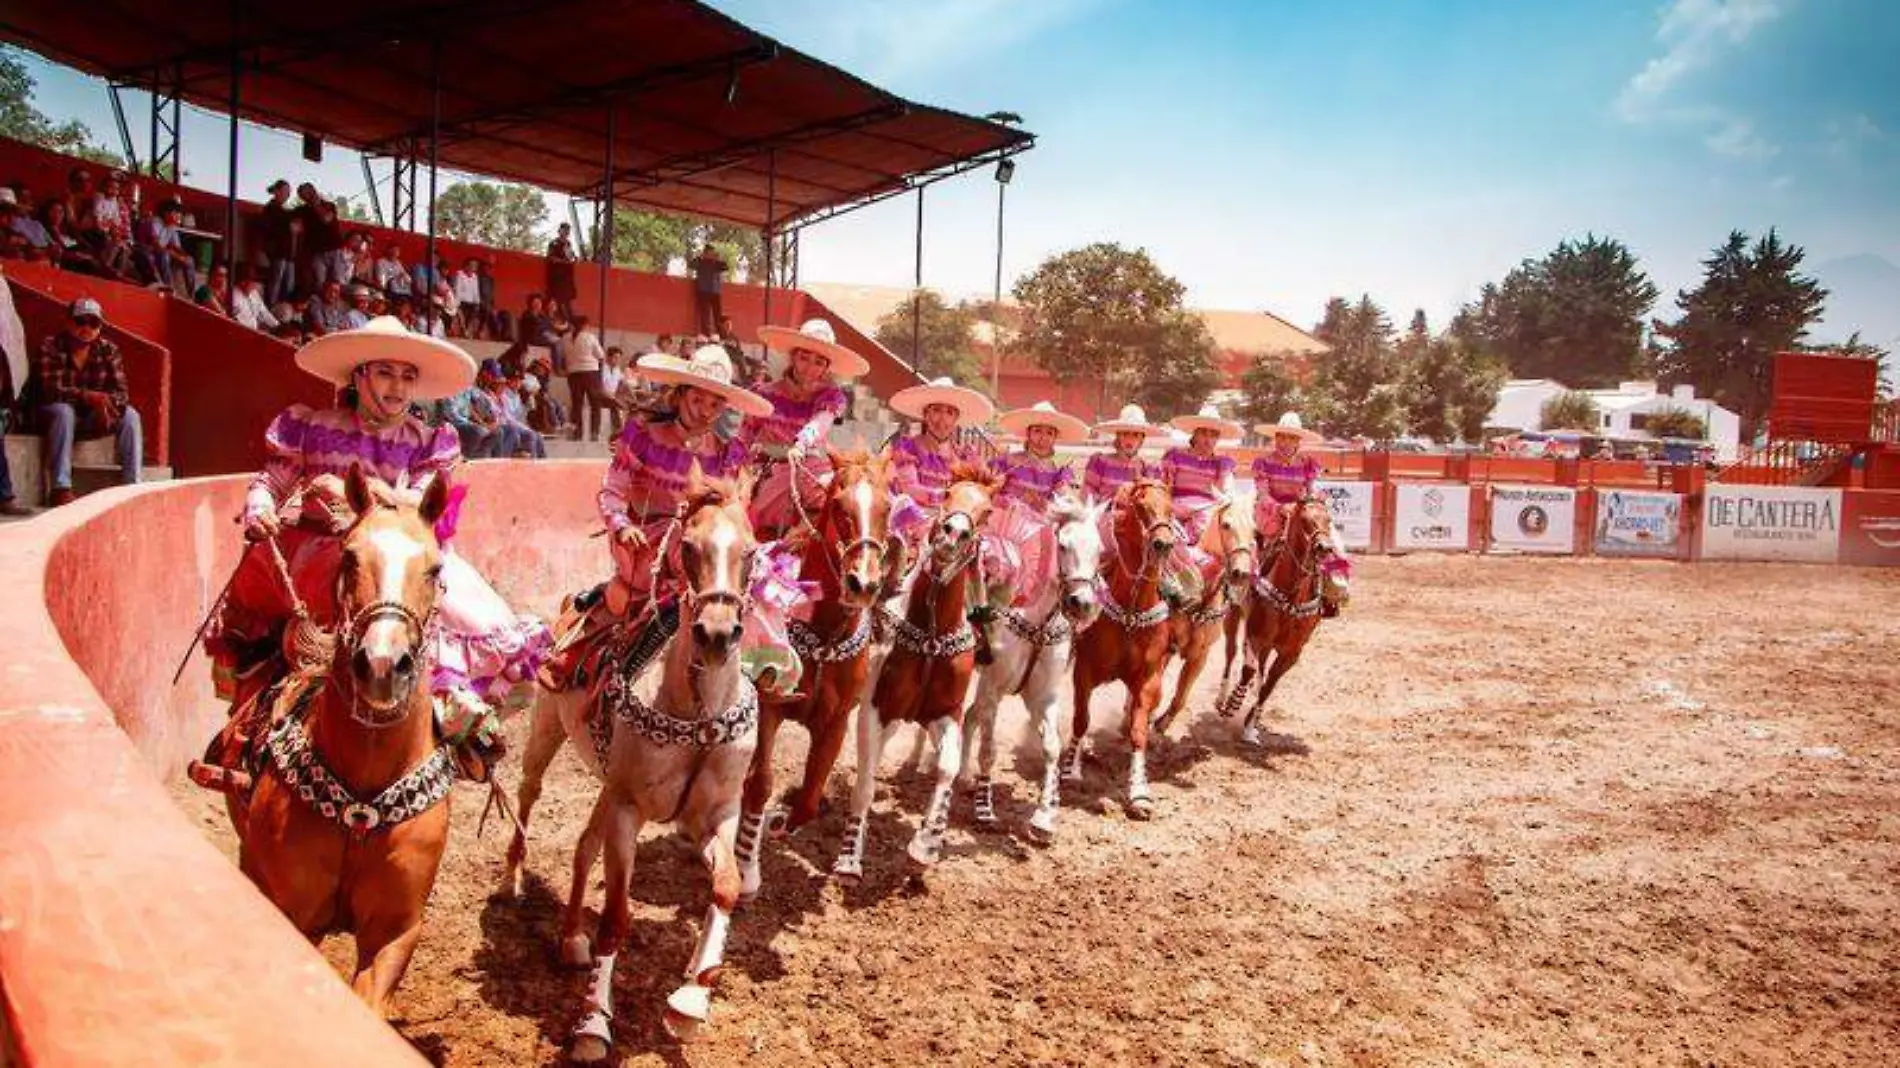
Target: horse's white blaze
point(861, 499)
point(398, 553)
point(725, 540)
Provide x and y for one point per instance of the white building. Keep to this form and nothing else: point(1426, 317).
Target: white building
point(1623, 410)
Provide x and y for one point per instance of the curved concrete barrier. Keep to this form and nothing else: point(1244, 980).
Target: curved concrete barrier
point(125, 937)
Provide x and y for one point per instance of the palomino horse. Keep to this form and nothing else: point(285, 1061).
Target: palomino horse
point(1286, 606)
point(1228, 538)
point(843, 552)
point(680, 758)
point(349, 812)
point(927, 673)
point(1031, 657)
point(1129, 644)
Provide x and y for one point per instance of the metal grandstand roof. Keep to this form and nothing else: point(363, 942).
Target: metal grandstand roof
point(709, 118)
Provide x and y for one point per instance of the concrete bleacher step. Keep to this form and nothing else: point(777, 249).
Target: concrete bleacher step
point(93, 468)
point(564, 448)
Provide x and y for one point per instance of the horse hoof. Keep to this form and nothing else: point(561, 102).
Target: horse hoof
point(1160, 726)
point(1042, 828)
point(588, 1049)
point(686, 1009)
point(577, 952)
point(924, 854)
point(1250, 735)
point(848, 870)
point(1141, 808)
point(778, 823)
point(748, 885)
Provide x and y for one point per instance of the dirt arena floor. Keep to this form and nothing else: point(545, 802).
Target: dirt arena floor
point(1512, 812)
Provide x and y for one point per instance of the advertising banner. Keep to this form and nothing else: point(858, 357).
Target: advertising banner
point(1638, 523)
point(1771, 523)
point(1351, 506)
point(1534, 519)
point(1870, 528)
point(1431, 517)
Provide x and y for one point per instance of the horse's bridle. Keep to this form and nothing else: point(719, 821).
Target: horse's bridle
point(352, 626)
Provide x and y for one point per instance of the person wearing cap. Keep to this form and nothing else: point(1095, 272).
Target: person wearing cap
point(1020, 537)
point(1200, 481)
point(1284, 477)
point(512, 413)
point(83, 394)
point(921, 463)
point(12, 244)
point(475, 413)
point(248, 305)
point(645, 483)
point(1107, 472)
point(276, 228)
point(161, 255)
point(806, 401)
point(480, 647)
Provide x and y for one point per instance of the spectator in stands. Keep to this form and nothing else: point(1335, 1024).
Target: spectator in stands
point(13, 375)
point(107, 226)
point(29, 236)
point(752, 369)
point(468, 298)
point(391, 276)
point(709, 274)
point(485, 267)
point(327, 312)
point(545, 411)
point(83, 395)
point(561, 290)
point(663, 344)
point(441, 292)
point(361, 311)
point(292, 330)
point(214, 294)
point(162, 257)
point(476, 421)
point(524, 439)
point(79, 194)
point(66, 249)
point(535, 327)
point(322, 238)
point(248, 305)
point(277, 231)
point(360, 260)
point(586, 390)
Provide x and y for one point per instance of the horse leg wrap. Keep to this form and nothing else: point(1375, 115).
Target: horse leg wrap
point(1140, 801)
point(985, 809)
point(926, 846)
point(710, 956)
point(850, 862)
point(1250, 734)
point(1042, 822)
point(1072, 762)
point(746, 851)
point(597, 1020)
point(1231, 707)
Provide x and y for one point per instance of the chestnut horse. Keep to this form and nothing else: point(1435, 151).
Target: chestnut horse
point(927, 673)
point(680, 758)
point(1129, 644)
point(1286, 606)
point(1229, 538)
point(1032, 654)
point(843, 552)
point(349, 809)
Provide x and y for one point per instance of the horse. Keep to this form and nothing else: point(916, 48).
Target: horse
point(1229, 538)
point(1287, 599)
point(680, 758)
point(844, 552)
point(1129, 644)
point(1031, 654)
point(925, 676)
point(347, 813)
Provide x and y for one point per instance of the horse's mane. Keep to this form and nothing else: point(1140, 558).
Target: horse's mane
point(965, 471)
point(710, 493)
point(1067, 508)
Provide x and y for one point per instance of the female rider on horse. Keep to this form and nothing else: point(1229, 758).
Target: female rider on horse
point(481, 648)
point(805, 403)
point(1022, 540)
point(1200, 482)
point(921, 462)
point(1108, 472)
point(1283, 478)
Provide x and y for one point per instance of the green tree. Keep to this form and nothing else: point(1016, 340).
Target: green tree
point(1752, 303)
point(1575, 315)
point(1180, 371)
point(1268, 389)
point(496, 214)
point(649, 241)
point(945, 346)
point(1676, 423)
point(1572, 409)
point(351, 210)
point(1102, 312)
point(21, 121)
point(1356, 387)
point(1450, 389)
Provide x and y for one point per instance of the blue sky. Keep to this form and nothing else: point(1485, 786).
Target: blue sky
point(1273, 154)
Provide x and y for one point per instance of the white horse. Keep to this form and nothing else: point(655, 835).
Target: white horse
point(680, 758)
point(1031, 658)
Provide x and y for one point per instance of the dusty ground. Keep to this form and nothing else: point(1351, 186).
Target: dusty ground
point(1515, 812)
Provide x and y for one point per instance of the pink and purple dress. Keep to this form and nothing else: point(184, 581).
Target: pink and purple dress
point(479, 642)
point(1280, 481)
point(1020, 543)
point(644, 487)
point(801, 421)
point(1198, 484)
point(920, 475)
point(1108, 472)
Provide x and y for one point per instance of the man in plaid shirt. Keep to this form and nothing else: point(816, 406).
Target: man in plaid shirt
point(82, 392)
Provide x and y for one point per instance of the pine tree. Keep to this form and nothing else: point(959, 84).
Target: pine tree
point(1356, 387)
point(1575, 315)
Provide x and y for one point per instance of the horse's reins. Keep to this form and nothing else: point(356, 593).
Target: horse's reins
point(1128, 617)
point(1305, 567)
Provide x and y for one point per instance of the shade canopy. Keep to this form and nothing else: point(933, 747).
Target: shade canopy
point(710, 118)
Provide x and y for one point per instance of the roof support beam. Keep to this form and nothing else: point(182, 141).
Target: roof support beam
point(699, 164)
point(879, 194)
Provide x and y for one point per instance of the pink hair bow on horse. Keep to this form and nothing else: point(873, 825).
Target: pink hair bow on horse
point(451, 514)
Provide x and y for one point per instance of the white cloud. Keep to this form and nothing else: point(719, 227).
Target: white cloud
point(1694, 33)
point(1737, 137)
point(1847, 139)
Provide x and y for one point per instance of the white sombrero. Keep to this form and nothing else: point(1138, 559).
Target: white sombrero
point(1208, 418)
point(442, 370)
point(1067, 427)
point(972, 407)
point(818, 336)
point(710, 369)
point(1132, 420)
point(1289, 424)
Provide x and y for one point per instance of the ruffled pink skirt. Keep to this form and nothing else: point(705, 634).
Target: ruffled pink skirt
point(1019, 549)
